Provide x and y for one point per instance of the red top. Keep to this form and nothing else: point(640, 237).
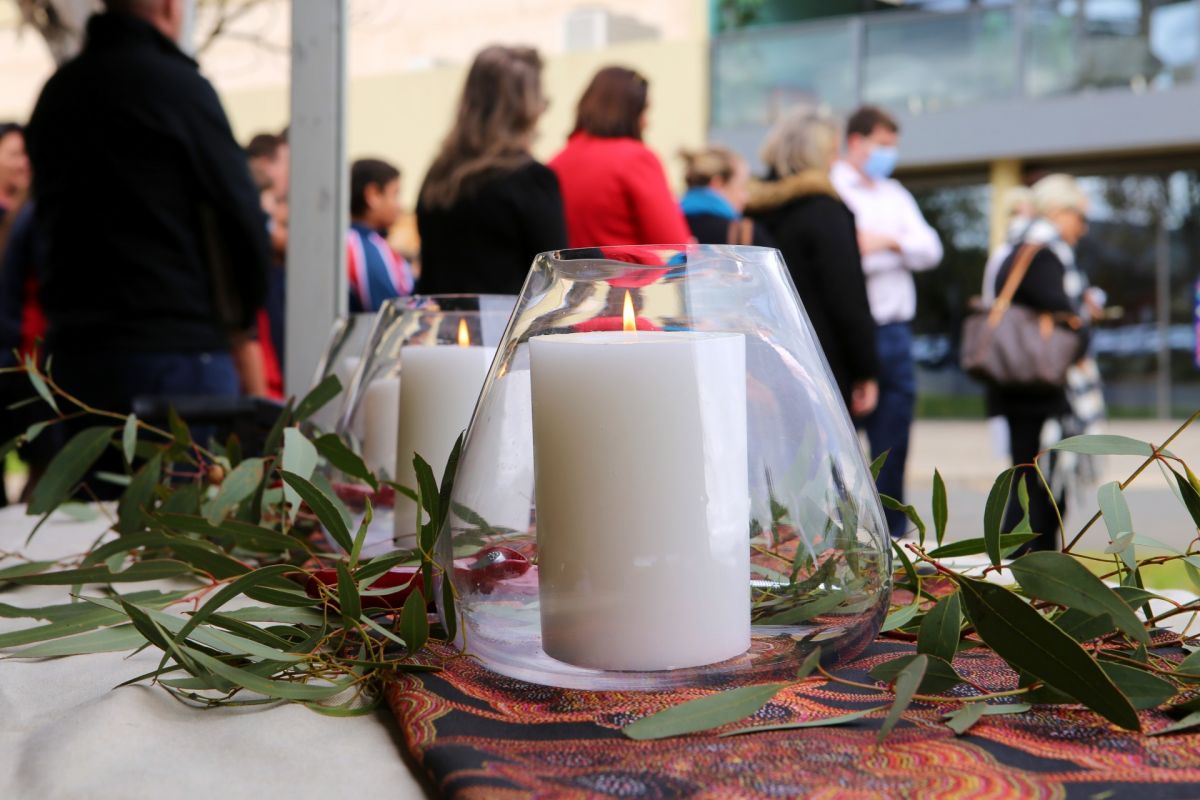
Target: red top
point(615, 192)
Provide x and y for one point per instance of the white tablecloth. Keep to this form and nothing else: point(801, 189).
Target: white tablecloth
point(66, 733)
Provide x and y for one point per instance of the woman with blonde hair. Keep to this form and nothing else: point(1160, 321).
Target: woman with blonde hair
point(815, 232)
point(718, 186)
point(487, 207)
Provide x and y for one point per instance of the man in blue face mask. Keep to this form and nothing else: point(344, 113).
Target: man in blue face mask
point(895, 241)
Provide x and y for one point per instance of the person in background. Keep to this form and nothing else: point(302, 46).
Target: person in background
point(1018, 207)
point(718, 185)
point(376, 272)
point(614, 189)
point(1039, 416)
point(895, 241)
point(487, 206)
point(263, 156)
point(814, 231)
point(155, 248)
point(14, 169)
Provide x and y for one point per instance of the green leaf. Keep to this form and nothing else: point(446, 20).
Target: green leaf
point(806, 611)
point(361, 536)
point(939, 674)
point(241, 534)
point(906, 686)
point(316, 399)
point(34, 430)
point(825, 722)
point(1191, 500)
point(179, 429)
point(131, 510)
point(1030, 642)
point(239, 586)
point(877, 464)
point(1060, 578)
point(993, 515)
point(939, 631)
point(325, 507)
point(107, 640)
point(704, 712)
point(970, 547)
point(900, 617)
point(299, 458)
point(141, 571)
point(287, 690)
point(449, 609)
point(941, 510)
point(448, 482)
point(1083, 627)
point(1187, 723)
point(237, 486)
point(427, 490)
point(1116, 517)
point(27, 568)
point(1104, 445)
point(414, 623)
point(905, 563)
point(1143, 689)
point(810, 663)
point(908, 511)
point(348, 600)
point(129, 438)
point(67, 468)
point(343, 458)
point(39, 385)
point(962, 719)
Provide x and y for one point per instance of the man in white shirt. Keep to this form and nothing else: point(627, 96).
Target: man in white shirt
point(895, 241)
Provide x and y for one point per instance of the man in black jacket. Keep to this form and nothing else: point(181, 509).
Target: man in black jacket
point(155, 247)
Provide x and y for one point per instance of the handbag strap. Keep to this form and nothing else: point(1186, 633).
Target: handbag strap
point(1020, 266)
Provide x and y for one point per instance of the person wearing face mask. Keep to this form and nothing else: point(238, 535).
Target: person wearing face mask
point(155, 245)
point(718, 186)
point(895, 241)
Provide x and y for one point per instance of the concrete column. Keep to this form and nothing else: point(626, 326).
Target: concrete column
point(1005, 175)
point(317, 195)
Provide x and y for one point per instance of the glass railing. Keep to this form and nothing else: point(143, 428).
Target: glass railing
point(924, 61)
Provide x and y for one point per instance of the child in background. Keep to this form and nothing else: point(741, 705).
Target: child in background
point(376, 272)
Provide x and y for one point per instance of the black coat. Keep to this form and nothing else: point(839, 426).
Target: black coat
point(153, 234)
point(1042, 290)
point(714, 229)
point(486, 241)
point(815, 233)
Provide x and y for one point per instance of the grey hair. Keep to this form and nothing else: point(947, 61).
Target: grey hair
point(1058, 192)
point(802, 139)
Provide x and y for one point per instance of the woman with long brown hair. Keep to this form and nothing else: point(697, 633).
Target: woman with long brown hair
point(487, 207)
point(614, 188)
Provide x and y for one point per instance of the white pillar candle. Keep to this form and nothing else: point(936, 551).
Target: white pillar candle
point(438, 389)
point(642, 497)
point(378, 418)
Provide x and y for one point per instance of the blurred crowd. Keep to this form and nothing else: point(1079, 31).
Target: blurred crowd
point(149, 255)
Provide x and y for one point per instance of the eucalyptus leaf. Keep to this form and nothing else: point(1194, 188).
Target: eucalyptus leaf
point(153, 569)
point(239, 484)
point(39, 383)
point(1104, 445)
point(1083, 627)
point(825, 722)
point(299, 458)
point(131, 510)
point(1143, 689)
point(414, 622)
point(939, 631)
point(347, 593)
point(342, 457)
point(806, 611)
point(941, 512)
point(900, 617)
point(106, 640)
point(1187, 723)
point(318, 397)
point(906, 686)
point(286, 690)
point(993, 515)
point(908, 511)
point(703, 713)
point(906, 564)
point(962, 719)
point(1116, 518)
point(1060, 578)
point(325, 507)
point(129, 438)
point(67, 469)
point(877, 464)
point(939, 674)
point(969, 547)
point(179, 428)
point(1030, 642)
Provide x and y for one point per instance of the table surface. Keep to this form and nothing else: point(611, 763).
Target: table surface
point(65, 732)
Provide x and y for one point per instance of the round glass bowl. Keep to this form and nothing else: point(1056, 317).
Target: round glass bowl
point(442, 346)
point(661, 485)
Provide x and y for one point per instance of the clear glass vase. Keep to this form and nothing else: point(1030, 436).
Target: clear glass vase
point(413, 393)
point(661, 485)
point(342, 355)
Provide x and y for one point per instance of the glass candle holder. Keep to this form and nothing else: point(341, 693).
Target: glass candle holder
point(426, 360)
point(342, 355)
point(661, 484)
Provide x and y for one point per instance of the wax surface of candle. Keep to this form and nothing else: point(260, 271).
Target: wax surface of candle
point(378, 419)
point(438, 389)
point(642, 497)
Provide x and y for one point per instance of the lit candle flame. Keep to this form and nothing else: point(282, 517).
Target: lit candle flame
point(630, 321)
point(464, 337)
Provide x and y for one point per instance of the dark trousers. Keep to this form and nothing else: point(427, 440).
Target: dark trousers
point(1024, 440)
point(888, 426)
point(109, 381)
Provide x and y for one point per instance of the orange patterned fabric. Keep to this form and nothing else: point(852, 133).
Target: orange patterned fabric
point(482, 735)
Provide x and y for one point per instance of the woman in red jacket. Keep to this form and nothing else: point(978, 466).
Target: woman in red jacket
point(614, 188)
